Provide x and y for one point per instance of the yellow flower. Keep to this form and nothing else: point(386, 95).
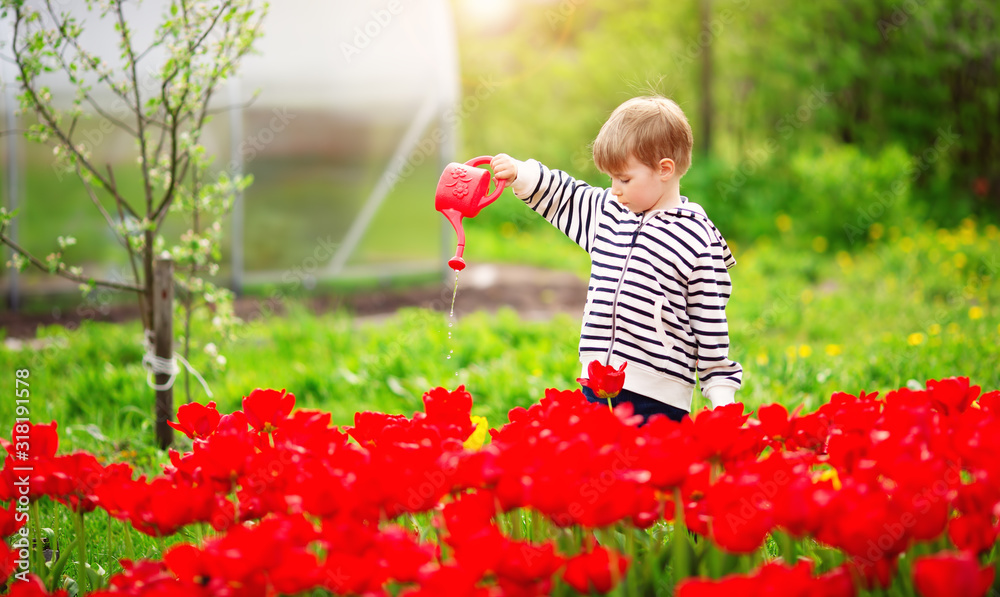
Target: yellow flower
point(762, 359)
point(906, 244)
point(953, 328)
point(829, 475)
point(819, 244)
point(876, 231)
point(478, 436)
point(783, 222)
point(991, 232)
point(959, 259)
point(807, 296)
point(791, 353)
point(805, 351)
point(915, 339)
point(967, 236)
point(844, 260)
point(508, 230)
point(834, 349)
point(935, 329)
point(975, 312)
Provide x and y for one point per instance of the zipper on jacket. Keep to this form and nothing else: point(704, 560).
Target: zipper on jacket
point(614, 301)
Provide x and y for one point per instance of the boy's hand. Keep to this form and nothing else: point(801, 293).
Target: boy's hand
point(504, 167)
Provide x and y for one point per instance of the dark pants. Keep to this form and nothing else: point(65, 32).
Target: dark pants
point(642, 405)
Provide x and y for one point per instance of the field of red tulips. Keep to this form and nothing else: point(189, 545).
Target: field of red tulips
point(892, 495)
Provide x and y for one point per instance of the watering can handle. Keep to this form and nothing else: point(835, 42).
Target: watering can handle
point(500, 184)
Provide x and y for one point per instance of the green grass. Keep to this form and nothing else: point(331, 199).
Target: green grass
point(804, 324)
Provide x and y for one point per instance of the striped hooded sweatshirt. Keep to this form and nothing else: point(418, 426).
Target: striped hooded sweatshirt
point(659, 285)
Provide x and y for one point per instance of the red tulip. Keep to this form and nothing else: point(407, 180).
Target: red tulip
point(9, 523)
point(196, 421)
point(8, 561)
point(266, 409)
point(774, 421)
point(445, 409)
point(42, 440)
point(605, 381)
point(32, 587)
point(975, 533)
point(952, 395)
point(990, 401)
point(161, 508)
point(872, 574)
point(597, 570)
point(146, 577)
point(947, 574)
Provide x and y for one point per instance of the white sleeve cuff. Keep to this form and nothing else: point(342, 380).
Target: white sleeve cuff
point(720, 395)
point(528, 175)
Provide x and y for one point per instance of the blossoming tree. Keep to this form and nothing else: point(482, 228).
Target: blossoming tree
point(159, 94)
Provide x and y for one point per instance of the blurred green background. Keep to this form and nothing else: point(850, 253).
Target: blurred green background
point(839, 115)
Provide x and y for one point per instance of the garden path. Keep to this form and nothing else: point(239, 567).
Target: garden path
point(535, 293)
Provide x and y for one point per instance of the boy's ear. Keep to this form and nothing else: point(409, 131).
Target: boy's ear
point(667, 168)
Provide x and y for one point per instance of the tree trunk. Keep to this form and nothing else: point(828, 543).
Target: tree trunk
point(163, 331)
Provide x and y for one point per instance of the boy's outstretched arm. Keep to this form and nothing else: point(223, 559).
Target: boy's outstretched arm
point(709, 288)
point(568, 204)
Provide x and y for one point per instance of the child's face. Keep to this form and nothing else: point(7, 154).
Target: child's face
point(639, 187)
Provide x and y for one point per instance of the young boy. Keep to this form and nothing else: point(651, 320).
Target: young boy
point(659, 282)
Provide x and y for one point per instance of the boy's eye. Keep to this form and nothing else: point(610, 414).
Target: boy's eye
point(623, 180)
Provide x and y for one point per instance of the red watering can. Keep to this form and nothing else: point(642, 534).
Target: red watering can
point(461, 193)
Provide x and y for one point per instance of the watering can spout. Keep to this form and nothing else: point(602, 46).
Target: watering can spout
point(456, 263)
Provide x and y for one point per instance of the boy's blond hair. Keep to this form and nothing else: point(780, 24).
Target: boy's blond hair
point(650, 128)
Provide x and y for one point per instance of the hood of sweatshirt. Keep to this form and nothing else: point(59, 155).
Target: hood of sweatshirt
point(690, 209)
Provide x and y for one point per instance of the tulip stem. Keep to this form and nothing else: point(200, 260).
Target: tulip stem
point(516, 532)
point(631, 578)
point(109, 559)
point(680, 540)
point(129, 548)
point(38, 544)
point(536, 526)
point(787, 548)
point(81, 551)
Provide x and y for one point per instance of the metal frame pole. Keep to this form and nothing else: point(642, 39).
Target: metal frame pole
point(236, 162)
point(12, 170)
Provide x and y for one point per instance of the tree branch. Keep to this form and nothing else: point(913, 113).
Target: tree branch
point(49, 118)
point(97, 203)
point(87, 58)
point(139, 115)
point(63, 272)
point(132, 258)
point(242, 106)
point(161, 210)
